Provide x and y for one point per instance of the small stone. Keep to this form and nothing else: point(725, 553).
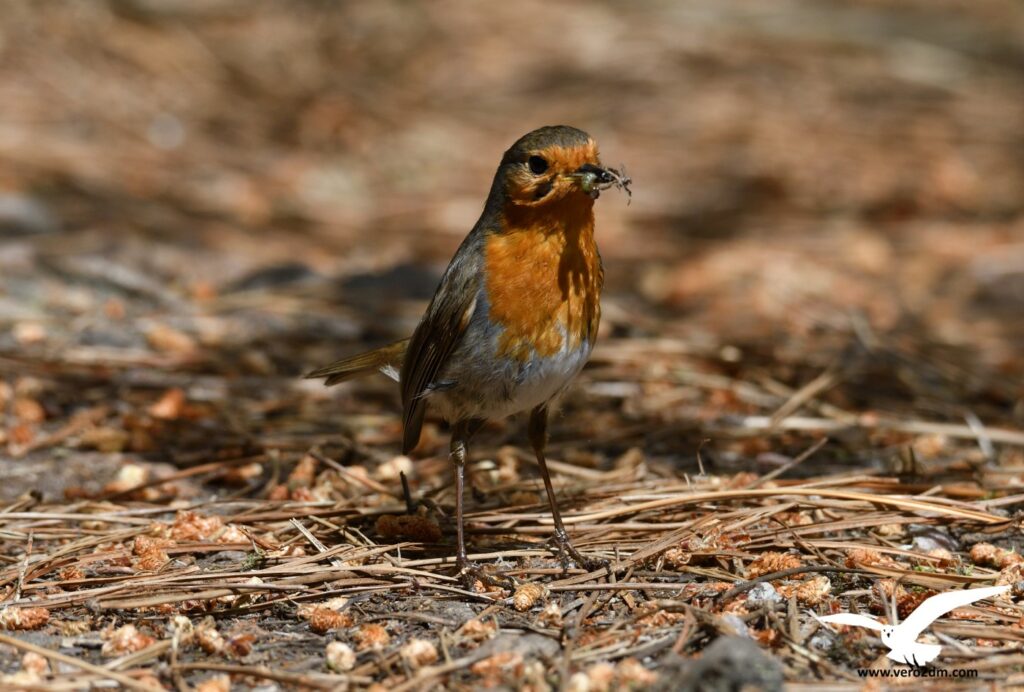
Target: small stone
point(418, 653)
point(763, 593)
point(340, 657)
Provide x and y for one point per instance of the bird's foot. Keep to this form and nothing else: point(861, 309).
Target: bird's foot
point(414, 506)
point(471, 572)
point(567, 554)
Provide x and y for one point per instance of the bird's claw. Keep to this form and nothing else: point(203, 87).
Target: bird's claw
point(471, 572)
point(570, 557)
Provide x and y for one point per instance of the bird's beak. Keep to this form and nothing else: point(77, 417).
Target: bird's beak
point(590, 178)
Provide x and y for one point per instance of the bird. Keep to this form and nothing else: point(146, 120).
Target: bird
point(901, 639)
point(515, 316)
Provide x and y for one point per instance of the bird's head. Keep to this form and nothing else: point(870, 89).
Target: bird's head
point(552, 165)
point(887, 633)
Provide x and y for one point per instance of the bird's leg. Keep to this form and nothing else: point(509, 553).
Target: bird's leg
point(458, 457)
point(537, 431)
point(469, 572)
point(410, 504)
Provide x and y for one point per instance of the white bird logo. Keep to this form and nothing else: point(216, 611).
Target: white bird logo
point(902, 639)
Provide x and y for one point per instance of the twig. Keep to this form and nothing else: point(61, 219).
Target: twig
point(804, 456)
point(315, 542)
point(319, 682)
point(827, 379)
point(698, 498)
point(745, 586)
point(425, 675)
point(104, 673)
point(758, 424)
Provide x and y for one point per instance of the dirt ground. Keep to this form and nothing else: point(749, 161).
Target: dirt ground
point(810, 369)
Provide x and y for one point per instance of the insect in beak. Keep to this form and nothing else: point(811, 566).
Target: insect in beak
point(593, 179)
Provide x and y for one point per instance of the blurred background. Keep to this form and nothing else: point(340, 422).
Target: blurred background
point(200, 200)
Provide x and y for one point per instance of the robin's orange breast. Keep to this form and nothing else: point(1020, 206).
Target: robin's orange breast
point(543, 278)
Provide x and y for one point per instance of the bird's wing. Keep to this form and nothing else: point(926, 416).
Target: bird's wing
point(937, 606)
point(437, 336)
point(385, 359)
point(852, 619)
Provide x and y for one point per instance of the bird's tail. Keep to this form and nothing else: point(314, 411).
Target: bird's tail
point(386, 359)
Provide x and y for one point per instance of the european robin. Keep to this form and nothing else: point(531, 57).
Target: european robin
point(515, 316)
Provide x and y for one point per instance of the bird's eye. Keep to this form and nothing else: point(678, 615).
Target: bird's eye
point(537, 165)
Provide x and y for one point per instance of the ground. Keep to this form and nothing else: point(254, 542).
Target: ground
point(809, 370)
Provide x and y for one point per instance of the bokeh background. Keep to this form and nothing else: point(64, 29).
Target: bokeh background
point(201, 200)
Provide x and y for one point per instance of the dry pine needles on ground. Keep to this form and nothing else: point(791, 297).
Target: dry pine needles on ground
point(358, 590)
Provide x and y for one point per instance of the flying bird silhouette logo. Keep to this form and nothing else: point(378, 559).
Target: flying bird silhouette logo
point(902, 638)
